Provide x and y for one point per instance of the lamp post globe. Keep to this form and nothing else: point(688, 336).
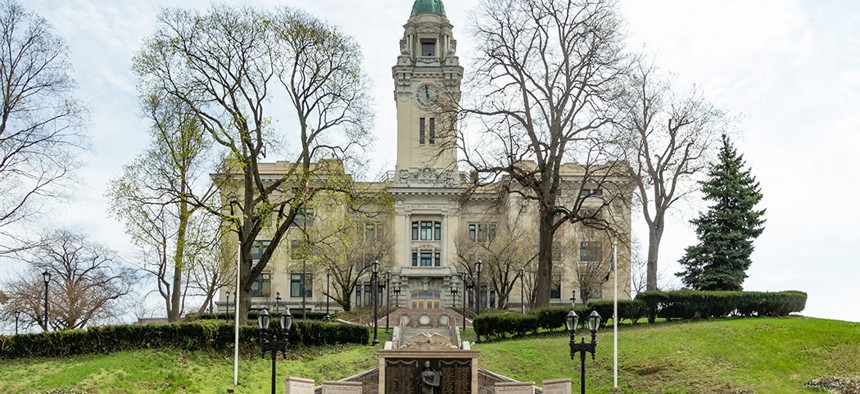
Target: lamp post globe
point(276, 340)
point(571, 322)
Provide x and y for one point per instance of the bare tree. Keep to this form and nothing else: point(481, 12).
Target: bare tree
point(504, 246)
point(40, 119)
point(87, 280)
point(667, 138)
point(546, 74)
point(350, 237)
point(226, 65)
point(595, 257)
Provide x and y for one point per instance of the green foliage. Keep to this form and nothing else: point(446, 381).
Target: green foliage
point(207, 336)
point(627, 309)
point(502, 324)
point(727, 230)
point(690, 304)
point(252, 316)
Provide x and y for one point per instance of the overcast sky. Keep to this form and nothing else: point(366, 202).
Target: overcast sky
point(789, 71)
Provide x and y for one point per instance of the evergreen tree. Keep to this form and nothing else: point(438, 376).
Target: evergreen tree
point(727, 230)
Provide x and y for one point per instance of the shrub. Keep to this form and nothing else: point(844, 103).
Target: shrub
point(691, 304)
point(252, 316)
point(204, 335)
point(627, 309)
point(503, 324)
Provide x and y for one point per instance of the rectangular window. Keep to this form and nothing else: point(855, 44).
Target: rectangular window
point(482, 232)
point(426, 259)
point(414, 231)
point(421, 131)
point(432, 130)
point(368, 295)
point(304, 217)
point(437, 230)
point(258, 248)
point(414, 259)
point(296, 285)
point(296, 252)
point(437, 259)
point(589, 251)
point(358, 295)
point(590, 192)
point(555, 290)
point(262, 286)
point(426, 231)
point(428, 47)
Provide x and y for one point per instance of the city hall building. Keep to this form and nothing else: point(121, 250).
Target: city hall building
point(437, 226)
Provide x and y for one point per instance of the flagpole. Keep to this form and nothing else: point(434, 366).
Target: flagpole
point(615, 316)
point(236, 342)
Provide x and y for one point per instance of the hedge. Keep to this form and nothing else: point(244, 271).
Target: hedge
point(627, 309)
point(691, 304)
point(682, 304)
point(205, 336)
point(252, 316)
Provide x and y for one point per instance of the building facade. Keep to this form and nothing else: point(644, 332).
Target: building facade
point(437, 227)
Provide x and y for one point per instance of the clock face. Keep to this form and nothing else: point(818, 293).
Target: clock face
point(426, 95)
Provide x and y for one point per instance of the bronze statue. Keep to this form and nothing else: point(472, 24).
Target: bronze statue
point(429, 380)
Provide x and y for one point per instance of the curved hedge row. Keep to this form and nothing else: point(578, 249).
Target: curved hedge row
point(206, 335)
point(682, 304)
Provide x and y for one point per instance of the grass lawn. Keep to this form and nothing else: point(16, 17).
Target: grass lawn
point(774, 355)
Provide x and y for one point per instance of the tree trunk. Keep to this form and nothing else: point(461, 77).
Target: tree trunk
point(655, 234)
point(179, 259)
point(544, 274)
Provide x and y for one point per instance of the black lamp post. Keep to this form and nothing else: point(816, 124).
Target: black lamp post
point(397, 297)
point(374, 267)
point(277, 340)
point(387, 298)
point(464, 277)
point(46, 276)
point(479, 266)
point(277, 300)
point(327, 293)
point(17, 315)
point(571, 321)
point(227, 313)
point(523, 289)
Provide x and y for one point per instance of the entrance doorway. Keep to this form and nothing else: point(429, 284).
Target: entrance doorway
point(425, 300)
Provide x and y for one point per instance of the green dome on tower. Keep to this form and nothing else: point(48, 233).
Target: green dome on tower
point(428, 7)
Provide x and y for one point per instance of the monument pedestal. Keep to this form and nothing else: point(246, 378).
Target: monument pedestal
point(400, 371)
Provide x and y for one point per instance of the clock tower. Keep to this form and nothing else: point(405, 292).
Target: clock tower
point(426, 84)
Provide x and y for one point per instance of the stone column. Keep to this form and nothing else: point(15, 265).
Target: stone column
point(341, 388)
point(515, 388)
point(557, 386)
point(299, 385)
